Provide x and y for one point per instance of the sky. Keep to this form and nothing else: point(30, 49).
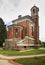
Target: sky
point(10, 9)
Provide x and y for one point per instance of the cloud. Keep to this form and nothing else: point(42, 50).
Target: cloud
point(15, 2)
point(10, 9)
point(1, 3)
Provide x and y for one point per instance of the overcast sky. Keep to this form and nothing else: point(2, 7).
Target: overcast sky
point(10, 9)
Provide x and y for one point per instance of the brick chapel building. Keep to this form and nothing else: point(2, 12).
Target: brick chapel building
point(24, 32)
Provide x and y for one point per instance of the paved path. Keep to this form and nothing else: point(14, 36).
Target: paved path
point(8, 62)
point(4, 62)
point(16, 57)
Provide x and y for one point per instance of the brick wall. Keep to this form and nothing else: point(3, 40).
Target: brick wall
point(36, 29)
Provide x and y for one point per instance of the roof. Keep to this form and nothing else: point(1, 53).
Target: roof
point(20, 18)
point(24, 17)
point(13, 25)
point(35, 7)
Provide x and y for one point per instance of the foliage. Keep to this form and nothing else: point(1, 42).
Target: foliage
point(3, 32)
point(31, 61)
point(17, 53)
point(42, 44)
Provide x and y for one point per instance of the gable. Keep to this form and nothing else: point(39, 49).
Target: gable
point(24, 18)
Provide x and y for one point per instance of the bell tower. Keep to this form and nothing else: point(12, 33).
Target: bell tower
point(34, 14)
point(35, 18)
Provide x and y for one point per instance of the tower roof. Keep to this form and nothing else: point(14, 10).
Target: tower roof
point(35, 7)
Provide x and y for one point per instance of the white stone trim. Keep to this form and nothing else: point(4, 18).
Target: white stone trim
point(26, 37)
point(22, 21)
point(13, 39)
point(25, 44)
point(16, 26)
point(9, 40)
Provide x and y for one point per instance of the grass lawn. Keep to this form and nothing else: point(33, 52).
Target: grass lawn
point(31, 61)
point(15, 53)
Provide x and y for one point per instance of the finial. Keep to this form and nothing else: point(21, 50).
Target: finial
point(34, 4)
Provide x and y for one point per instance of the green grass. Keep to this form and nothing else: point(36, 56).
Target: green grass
point(15, 53)
point(31, 61)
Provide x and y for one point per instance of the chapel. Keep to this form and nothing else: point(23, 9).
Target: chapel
point(23, 34)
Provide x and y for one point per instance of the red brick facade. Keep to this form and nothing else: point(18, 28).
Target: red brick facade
point(24, 32)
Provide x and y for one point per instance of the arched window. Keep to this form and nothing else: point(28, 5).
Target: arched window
point(32, 31)
point(33, 10)
point(22, 34)
point(16, 33)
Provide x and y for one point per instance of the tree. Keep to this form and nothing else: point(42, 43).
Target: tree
point(43, 44)
point(3, 32)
